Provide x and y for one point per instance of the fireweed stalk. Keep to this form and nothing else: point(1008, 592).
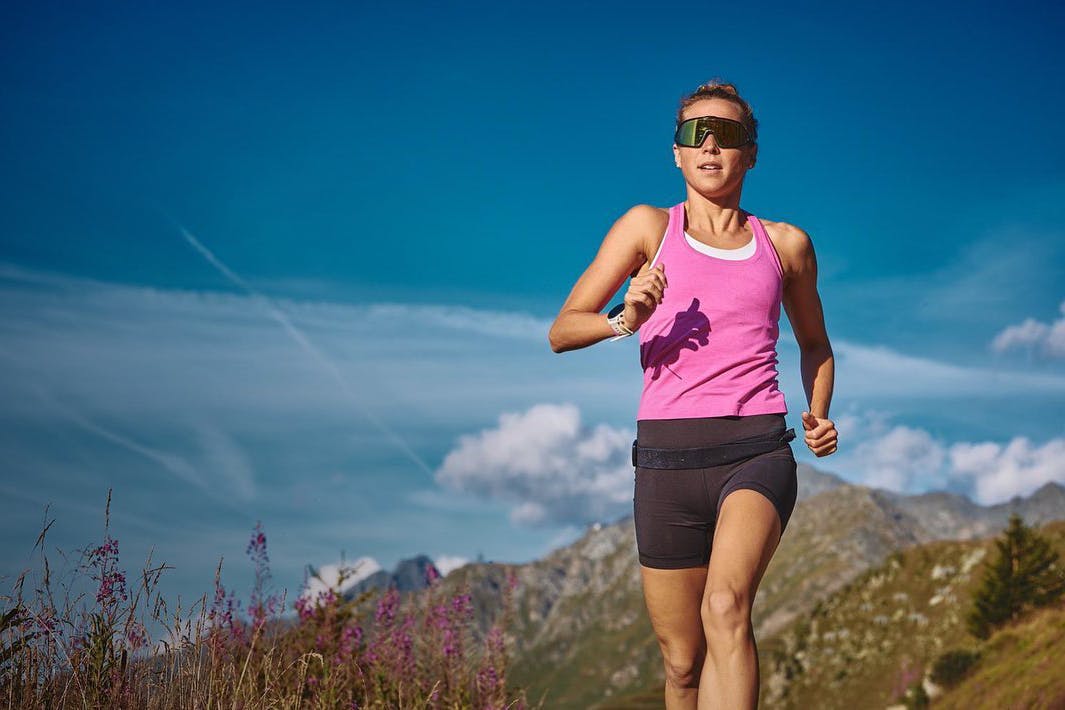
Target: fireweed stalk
point(95, 649)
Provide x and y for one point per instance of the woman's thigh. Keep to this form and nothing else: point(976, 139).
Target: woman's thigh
point(753, 508)
point(773, 474)
point(673, 598)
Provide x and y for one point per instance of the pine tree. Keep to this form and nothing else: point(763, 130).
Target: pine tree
point(1025, 574)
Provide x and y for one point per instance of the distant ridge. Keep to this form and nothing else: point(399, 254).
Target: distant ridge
point(409, 575)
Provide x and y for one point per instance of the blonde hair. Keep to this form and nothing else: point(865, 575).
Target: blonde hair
point(719, 89)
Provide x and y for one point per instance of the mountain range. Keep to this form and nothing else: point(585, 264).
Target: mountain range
point(580, 636)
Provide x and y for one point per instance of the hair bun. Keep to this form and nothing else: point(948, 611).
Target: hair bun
point(717, 83)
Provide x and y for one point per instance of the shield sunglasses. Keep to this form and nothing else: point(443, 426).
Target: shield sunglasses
point(727, 133)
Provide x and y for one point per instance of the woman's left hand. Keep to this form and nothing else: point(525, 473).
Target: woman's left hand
point(820, 434)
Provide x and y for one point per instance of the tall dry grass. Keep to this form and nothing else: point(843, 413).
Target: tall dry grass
point(61, 648)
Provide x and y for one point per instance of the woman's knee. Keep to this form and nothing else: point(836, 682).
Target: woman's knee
point(683, 667)
point(726, 607)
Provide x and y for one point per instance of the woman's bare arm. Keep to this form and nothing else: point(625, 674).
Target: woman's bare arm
point(802, 303)
point(580, 322)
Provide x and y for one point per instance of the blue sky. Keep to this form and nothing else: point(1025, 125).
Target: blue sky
point(298, 264)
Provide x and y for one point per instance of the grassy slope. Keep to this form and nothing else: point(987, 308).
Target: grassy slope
point(1022, 666)
point(856, 647)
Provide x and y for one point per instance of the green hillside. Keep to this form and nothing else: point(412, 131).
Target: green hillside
point(1021, 666)
point(862, 646)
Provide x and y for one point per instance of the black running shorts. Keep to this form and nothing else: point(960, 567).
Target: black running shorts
point(675, 510)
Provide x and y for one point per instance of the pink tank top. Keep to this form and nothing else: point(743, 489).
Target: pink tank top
point(709, 349)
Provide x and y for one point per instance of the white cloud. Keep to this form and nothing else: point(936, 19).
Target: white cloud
point(1045, 339)
point(911, 460)
point(553, 469)
point(328, 577)
point(854, 425)
point(446, 564)
point(899, 457)
point(999, 472)
point(529, 513)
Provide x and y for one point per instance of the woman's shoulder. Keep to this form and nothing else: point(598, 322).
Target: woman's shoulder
point(651, 221)
point(786, 229)
point(648, 214)
point(792, 242)
point(647, 225)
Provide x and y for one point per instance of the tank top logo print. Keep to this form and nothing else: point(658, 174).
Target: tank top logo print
point(709, 349)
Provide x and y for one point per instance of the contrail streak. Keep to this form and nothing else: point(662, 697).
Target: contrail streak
point(173, 463)
point(302, 340)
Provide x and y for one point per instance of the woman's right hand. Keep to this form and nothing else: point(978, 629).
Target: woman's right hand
point(643, 296)
point(624, 252)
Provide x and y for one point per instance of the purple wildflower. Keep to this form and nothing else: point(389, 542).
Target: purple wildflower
point(259, 606)
point(305, 608)
point(386, 607)
point(137, 635)
point(487, 679)
point(112, 580)
point(350, 638)
point(403, 642)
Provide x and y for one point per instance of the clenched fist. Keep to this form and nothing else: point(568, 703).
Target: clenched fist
point(820, 434)
point(643, 296)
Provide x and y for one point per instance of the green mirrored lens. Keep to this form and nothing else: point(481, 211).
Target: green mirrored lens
point(727, 133)
point(686, 133)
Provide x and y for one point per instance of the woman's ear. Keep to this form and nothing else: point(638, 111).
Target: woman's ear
point(676, 155)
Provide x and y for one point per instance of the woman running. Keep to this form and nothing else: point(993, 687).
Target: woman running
point(715, 479)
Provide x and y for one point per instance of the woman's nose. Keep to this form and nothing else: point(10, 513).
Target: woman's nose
point(710, 143)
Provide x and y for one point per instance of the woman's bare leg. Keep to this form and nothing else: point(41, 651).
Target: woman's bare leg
point(673, 597)
point(746, 536)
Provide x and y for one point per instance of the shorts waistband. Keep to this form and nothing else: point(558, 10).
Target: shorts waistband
point(706, 431)
point(708, 456)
